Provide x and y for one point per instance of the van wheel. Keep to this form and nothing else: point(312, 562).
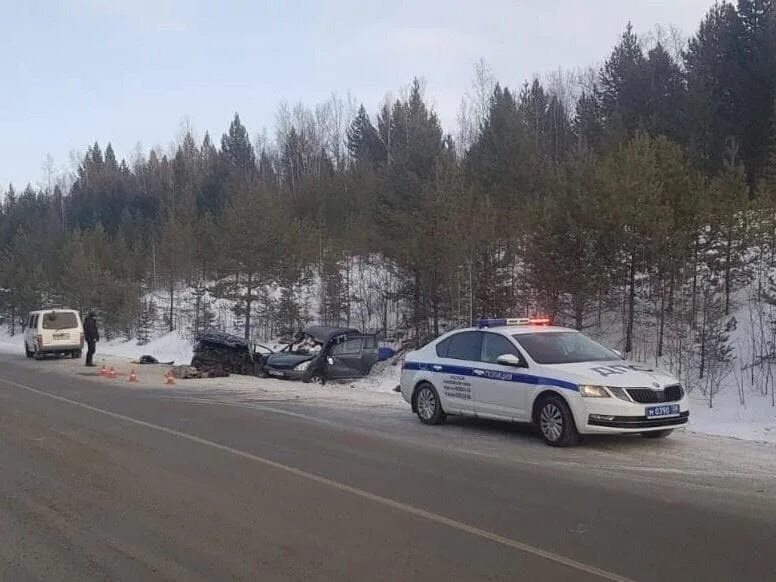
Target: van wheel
point(27, 351)
point(657, 434)
point(556, 422)
point(76, 355)
point(428, 406)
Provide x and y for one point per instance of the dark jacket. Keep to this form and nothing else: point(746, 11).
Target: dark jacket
point(91, 334)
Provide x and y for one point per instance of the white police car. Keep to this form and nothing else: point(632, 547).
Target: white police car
point(528, 371)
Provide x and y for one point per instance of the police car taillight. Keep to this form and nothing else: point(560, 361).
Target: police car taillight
point(500, 322)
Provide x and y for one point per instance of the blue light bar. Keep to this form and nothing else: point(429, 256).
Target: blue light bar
point(501, 322)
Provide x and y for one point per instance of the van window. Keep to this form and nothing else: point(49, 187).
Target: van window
point(465, 346)
point(60, 320)
point(34, 324)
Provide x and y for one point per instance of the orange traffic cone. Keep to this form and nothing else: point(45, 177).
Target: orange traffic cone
point(103, 371)
point(170, 378)
point(112, 373)
point(132, 376)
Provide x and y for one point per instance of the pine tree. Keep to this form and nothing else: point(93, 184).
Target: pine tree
point(146, 323)
point(715, 353)
point(624, 86)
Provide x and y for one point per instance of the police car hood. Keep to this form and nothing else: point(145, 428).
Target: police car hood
point(619, 373)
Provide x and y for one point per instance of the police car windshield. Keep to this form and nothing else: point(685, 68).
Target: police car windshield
point(563, 347)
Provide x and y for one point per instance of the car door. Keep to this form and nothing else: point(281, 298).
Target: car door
point(457, 356)
point(368, 354)
point(345, 357)
point(498, 390)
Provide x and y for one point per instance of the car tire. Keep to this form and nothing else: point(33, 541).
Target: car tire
point(27, 351)
point(428, 406)
point(657, 434)
point(556, 423)
point(316, 378)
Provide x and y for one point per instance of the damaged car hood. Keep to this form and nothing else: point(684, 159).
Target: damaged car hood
point(287, 361)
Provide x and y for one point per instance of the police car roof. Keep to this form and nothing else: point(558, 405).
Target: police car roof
point(521, 329)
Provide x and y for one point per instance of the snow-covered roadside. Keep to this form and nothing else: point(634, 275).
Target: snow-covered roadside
point(754, 422)
point(169, 347)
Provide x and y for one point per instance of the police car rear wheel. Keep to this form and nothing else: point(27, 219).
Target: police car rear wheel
point(556, 423)
point(428, 406)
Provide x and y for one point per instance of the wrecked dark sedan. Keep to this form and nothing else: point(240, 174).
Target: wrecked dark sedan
point(320, 353)
point(216, 350)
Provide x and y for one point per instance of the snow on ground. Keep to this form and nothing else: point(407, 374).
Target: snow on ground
point(169, 347)
point(754, 422)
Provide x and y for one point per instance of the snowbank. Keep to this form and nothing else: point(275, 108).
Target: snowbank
point(754, 422)
point(169, 347)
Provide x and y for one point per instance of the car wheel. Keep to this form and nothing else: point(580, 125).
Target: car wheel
point(657, 434)
point(27, 351)
point(556, 422)
point(428, 406)
point(318, 378)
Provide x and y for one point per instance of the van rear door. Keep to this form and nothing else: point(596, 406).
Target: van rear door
point(60, 328)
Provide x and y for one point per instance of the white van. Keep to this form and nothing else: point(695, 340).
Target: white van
point(55, 332)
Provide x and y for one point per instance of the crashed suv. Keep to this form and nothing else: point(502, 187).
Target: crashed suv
point(320, 353)
point(219, 351)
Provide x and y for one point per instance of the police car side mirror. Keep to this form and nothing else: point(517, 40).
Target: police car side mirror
point(509, 360)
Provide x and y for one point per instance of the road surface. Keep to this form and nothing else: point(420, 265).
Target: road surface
point(105, 480)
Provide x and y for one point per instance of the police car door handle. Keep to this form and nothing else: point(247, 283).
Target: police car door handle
point(437, 368)
point(479, 372)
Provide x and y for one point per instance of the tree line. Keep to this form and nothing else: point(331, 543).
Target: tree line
point(638, 199)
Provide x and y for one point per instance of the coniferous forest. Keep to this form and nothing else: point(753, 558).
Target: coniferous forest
point(639, 198)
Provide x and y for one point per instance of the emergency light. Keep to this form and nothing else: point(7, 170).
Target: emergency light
point(501, 322)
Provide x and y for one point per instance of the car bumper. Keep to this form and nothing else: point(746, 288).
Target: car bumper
point(285, 374)
point(616, 416)
point(59, 348)
point(637, 422)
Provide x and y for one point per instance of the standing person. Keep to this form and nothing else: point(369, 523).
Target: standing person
point(92, 336)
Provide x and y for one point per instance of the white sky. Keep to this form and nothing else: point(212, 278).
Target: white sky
point(132, 71)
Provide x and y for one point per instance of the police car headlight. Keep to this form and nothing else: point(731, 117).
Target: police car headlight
point(589, 391)
point(302, 367)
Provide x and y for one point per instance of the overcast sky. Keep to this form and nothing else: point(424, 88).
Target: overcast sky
point(132, 71)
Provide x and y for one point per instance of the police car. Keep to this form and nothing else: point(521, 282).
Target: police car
point(526, 370)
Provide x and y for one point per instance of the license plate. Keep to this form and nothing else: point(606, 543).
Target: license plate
point(60, 336)
point(277, 373)
point(663, 410)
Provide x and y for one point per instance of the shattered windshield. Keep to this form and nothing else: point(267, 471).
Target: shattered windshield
point(306, 346)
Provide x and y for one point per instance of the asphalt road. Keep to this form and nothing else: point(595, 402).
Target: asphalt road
point(112, 482)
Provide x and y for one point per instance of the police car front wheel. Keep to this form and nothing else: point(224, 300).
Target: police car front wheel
point(556, 422)
point(428, 406)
